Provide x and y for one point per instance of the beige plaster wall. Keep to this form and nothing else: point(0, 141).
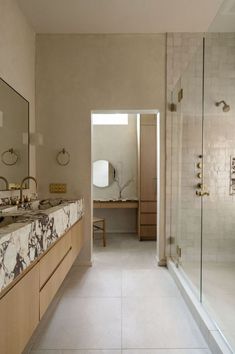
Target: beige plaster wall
point(17, 59)
point(76, 74)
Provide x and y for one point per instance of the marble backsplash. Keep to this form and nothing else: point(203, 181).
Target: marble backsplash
point(25, 242)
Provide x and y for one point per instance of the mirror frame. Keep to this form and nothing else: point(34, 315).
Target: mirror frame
point(28, 139)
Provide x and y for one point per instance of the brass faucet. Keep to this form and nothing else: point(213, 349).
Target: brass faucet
point(22, 184)
point(6, 181)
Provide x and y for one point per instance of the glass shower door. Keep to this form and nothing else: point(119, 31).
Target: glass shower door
point(218, 247)
point(187, 171)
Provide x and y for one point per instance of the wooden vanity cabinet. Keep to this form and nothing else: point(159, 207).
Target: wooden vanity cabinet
point(53, 257)
point(148, 177)
point(19, 313)
point(77, 239)
point(55, 265)
point(51, 287)
point(22, 307)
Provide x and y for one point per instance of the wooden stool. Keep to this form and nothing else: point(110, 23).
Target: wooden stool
point(99, 227)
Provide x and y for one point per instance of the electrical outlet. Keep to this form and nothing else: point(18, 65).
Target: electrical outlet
point(58, 187)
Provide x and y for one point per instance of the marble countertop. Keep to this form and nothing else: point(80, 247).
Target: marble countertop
point(21, 243)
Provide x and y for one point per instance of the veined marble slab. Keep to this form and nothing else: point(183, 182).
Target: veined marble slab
point(22, 243)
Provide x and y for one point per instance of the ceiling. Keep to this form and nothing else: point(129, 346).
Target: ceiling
point(119, 16)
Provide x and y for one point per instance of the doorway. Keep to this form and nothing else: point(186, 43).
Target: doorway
point(126, 174)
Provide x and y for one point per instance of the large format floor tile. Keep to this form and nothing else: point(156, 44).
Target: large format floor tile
point(77, 351)
point(149, 282)
point(123, 304)
point(84, 323)
point(159, 323)
point(90, 282)
point(166, 351)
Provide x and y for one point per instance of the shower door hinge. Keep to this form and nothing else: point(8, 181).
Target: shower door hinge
point(171, 240)
point(178, 251)
point(180, 95)
point(173, 107)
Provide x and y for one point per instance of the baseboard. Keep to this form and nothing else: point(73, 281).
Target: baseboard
point(83, 264)
point(213, 336)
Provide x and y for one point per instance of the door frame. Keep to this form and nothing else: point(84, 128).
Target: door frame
point(160, 244)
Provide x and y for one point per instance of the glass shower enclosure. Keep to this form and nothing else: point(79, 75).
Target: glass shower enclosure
point(203, 177)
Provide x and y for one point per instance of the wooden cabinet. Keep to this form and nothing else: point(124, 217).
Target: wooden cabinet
point(53, 257)
point(148, 207)
point(148, 177)
point(55, 265)
point(77, 239)
point(22, 307)
point(19, 313)
point(49, 290)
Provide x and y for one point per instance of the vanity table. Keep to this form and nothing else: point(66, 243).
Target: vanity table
point(119, 204)
point(116, 204)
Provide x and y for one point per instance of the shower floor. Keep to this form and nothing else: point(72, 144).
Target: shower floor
point(218, 293)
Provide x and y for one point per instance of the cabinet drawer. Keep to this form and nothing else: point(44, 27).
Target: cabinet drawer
point(148, 232)
point(53, 257)
point(19, 313)
point(77, 238)
point(148, 207)
point(49, 290)
point(148, 219)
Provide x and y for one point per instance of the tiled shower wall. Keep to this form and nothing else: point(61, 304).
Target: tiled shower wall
point(219, 144)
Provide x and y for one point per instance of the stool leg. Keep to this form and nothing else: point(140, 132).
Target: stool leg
point(104, 234)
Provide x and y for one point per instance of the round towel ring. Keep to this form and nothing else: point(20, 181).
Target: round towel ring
point(63, 157)
point(13, 157)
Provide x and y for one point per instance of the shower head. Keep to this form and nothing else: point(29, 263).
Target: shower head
point(226, 107)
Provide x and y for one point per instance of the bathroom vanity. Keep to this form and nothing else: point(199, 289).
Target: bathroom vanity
point(35, 257)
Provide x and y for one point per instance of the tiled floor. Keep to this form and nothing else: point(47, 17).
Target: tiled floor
point(123, 304)
point(218, 293)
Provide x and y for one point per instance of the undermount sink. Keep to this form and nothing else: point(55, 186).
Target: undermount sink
point(20, 217)
point(48, 204)
point(11, 219)
point(35, 212)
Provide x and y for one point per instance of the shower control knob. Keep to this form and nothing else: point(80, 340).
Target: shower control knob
point(199, 165)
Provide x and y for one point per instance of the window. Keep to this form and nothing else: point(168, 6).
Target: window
point(110, 119)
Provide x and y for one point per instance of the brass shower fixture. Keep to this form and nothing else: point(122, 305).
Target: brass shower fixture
point(226, 107)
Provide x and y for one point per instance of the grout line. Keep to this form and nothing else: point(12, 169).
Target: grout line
point(121, 309)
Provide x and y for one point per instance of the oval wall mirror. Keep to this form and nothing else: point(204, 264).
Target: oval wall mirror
point(103, 173)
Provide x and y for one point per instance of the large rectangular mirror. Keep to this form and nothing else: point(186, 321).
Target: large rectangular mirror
point(14, 137)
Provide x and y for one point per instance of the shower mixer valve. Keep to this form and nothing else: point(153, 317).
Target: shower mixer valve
point(201, 191)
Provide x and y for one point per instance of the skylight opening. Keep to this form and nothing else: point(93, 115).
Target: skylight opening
point(110, 119)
